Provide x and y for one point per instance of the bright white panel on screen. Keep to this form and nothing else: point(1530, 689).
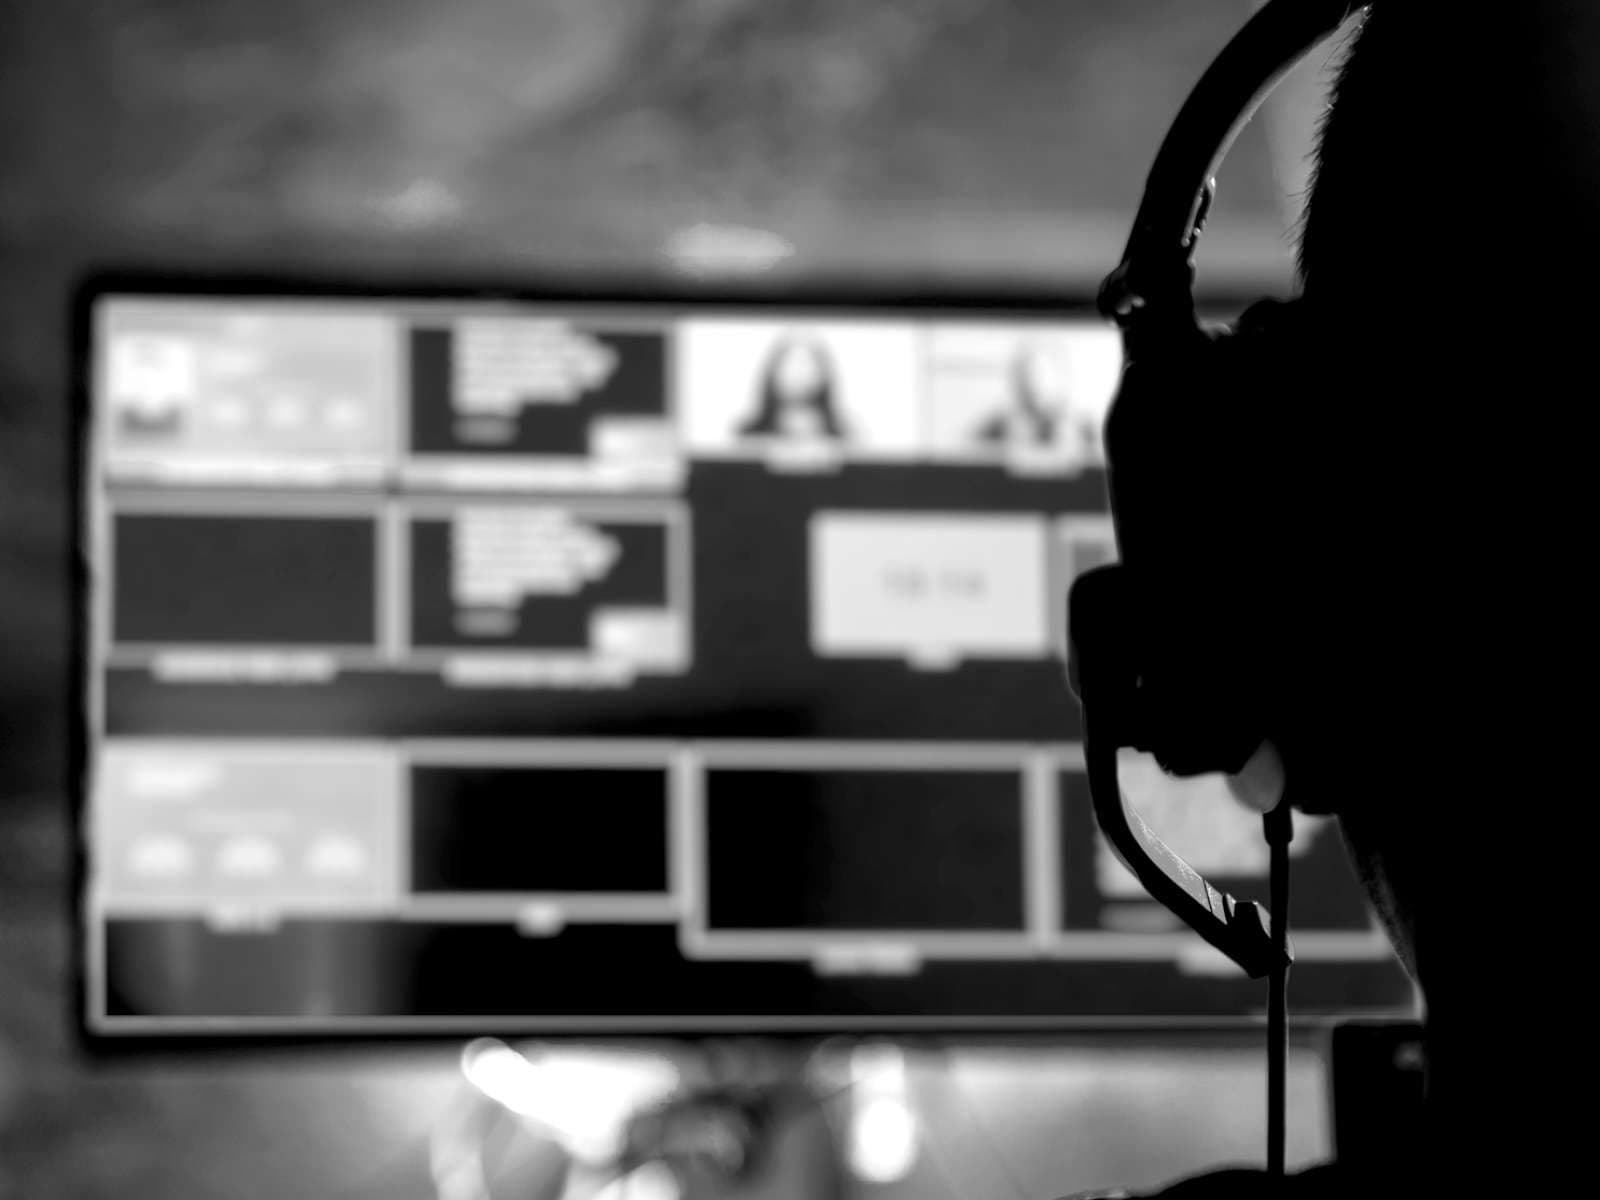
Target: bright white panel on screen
point(196, 824)
point(722, 368)
point(928, 586)
point(1020, 387)
point(224, 379)
point(150, 376)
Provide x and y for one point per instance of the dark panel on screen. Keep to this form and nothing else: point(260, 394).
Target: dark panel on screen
point(803, 849)
point(752, 608)
point(542, 622)
point(637, 388)
point(538, 829)
point(323, 970)
point(272, 580)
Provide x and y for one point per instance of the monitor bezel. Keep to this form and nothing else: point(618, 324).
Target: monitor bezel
point(907, 297)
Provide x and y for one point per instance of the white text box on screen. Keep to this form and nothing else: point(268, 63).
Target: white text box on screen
point(929, 587)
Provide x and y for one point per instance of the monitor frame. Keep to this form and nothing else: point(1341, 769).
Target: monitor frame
point(896, 298)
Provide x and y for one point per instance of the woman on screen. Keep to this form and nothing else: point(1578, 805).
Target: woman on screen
point(1047, 409)
point(797, 396)
point(1040, 391)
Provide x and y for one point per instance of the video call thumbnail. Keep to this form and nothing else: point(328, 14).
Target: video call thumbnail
point(1040, 391)
point(244, 579)
point(873, 390)
point(839, 849)
point(540, 388)
point(539, 829)
point(745, 387)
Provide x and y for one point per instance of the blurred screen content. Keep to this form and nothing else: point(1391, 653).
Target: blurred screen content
point(449, 658)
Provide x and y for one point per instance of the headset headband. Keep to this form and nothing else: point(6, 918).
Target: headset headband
point(1157, 267)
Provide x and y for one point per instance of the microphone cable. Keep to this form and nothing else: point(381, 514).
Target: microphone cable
point(1278, 827)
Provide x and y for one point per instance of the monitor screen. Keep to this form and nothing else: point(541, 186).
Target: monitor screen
point(473, 661)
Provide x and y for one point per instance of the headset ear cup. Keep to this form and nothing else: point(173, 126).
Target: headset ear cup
point(1101, 644)
point(1199, 455)
point(1146, 695)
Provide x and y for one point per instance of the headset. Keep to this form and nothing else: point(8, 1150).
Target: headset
point(1197, 445)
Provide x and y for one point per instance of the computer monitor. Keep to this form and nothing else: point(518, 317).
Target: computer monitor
point(617, 664)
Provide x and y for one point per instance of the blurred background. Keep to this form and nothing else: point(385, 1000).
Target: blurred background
point(949, 142)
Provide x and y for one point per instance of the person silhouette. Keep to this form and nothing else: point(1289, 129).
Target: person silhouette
point(1455, 773)
point(797, 398)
